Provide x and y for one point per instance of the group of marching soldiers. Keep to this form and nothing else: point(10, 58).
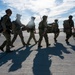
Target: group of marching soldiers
point(16, 28)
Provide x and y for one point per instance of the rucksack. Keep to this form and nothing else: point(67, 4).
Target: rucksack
point(67, 27)
point(1, 28)
point(66, 24)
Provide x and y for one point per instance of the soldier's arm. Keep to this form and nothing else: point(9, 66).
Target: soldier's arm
point(34, 29)
point(45, 29)
point(13, 27)
point(73, 24)
point(34, 26)
point(57, 25)
point(3, 23)
point(21, 24)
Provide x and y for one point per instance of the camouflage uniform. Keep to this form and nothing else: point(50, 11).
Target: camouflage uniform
point(6, 24)
point(31, 26)
point(55, 30)
point(68, 28)
point(16, 27)
point(43, 31)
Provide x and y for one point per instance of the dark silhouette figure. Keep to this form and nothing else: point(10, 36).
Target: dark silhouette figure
point(42, 63)
point(31, 26)
point(6, 25)
point(17, 57)
point(4, 57)
point(43, 31)
point(68, 26)
point(20, 58)
point(55, 29)
point(58, 50)
point(16, 27)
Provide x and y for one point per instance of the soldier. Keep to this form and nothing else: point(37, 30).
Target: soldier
point(68, 26)
point(55, 29)
point(6, 25)
point(31, 26)
point(16, 27)
point(43, 31)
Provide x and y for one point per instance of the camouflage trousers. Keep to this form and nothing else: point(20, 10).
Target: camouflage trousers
point(16, 33)
point(41, 37)
point(7, 42)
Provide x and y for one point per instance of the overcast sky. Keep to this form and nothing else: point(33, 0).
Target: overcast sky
point(54, 9)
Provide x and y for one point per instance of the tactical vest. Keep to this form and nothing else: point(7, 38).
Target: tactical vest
point(8, 24)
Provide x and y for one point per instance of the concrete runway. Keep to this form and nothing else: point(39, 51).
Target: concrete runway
point(57, 59)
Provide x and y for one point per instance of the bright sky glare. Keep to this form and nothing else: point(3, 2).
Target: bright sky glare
point(54, 9)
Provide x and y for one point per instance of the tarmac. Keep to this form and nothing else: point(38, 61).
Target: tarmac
point(57, 59)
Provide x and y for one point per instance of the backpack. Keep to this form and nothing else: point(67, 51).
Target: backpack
point(1, 28)
point(66, 26)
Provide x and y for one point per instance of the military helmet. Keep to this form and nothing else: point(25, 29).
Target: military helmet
point(8, 11)
point(18, 15)
point(70, 16)
point(32, 17)
point(44, 17)
point(56, 19)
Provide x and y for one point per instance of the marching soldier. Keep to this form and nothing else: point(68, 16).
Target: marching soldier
point(55, 29)
point(6, 25)
point(43, 31)
point(16, 27)
point(68, 26)
point(31, 26)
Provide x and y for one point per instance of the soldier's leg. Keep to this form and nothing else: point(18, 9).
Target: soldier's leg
point(14, 37)
point(46, 40)
point(70, 34)
point(33, 35)
point(8, 40)
point(22, 38)
point(67, 38)
point(55, 36)
point(30, 37)
point(3, 45)
point(40, 39)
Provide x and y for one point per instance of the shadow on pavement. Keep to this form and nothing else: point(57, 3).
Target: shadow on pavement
point(58, 50)
point(17, 57)
point(43, 61)
point(72, 47)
